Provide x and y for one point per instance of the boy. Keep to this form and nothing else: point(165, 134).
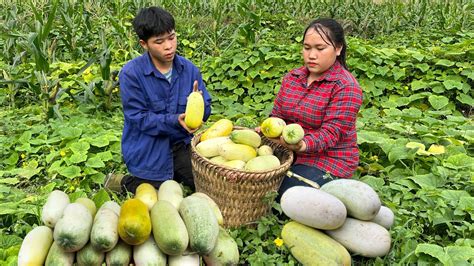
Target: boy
point(154, 89)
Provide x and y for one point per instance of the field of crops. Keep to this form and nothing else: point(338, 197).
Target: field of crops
point(61, 117)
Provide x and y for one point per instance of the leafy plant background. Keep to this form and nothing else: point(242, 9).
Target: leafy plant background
point(61, 117)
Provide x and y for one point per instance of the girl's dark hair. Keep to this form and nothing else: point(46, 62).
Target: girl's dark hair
point(152, 21)
point(332, 31)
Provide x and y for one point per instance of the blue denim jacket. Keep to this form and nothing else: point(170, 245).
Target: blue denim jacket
point(151, 106)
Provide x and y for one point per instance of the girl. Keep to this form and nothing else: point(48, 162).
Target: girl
point(324, 98)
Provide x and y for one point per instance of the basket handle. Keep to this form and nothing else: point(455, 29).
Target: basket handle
point(302, 179)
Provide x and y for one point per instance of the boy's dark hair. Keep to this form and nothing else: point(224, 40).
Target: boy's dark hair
point(329, 29)
point(152, 21)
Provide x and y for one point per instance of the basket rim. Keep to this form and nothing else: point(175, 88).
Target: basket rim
point(286, 164)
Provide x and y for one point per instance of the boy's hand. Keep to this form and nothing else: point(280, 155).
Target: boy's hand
point(183, 124)
point(196, 88)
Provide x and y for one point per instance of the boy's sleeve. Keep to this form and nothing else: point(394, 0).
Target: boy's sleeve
point(136, 111)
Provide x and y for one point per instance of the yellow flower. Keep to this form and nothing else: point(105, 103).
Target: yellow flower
point(374, 158)
point(87, 75)
point(62, 153)
point(23, 156)
point(278, 242)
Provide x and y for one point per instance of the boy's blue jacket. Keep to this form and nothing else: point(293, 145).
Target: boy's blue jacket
point(151, 106)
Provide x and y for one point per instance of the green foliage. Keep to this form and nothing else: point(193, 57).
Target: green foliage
point(72, 153)
point(259, 242)
point(439, 183)
point(247, 79)
point(413, 60)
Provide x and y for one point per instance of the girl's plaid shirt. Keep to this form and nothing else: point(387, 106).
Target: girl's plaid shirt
point(327, 110)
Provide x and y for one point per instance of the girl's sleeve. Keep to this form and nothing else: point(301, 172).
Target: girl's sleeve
point(340, 118)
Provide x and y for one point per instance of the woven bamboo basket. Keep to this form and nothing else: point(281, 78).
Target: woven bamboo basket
point(239, 194)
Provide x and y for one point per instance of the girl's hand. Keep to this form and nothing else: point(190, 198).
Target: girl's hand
point(299, 147)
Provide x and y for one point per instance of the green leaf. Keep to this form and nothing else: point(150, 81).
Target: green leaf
point(101, 141)
point(465, 99)
point(418, 85)
point(7, 241)
point(427, 181)
point(452, 84)
point(25, 137)
point(444, 62)
point(5, 189)
point(468, 73)
point(50, 157)
point(46, 189)
point(398, 73)
point(423, 67)
point(393, 112)
point(254, 60)
point(95, 162)
point(434, 251)
point(100, 197)
point(397, 153)
point(98, 178)
point(438, 102)
point(374, 182)
point(383, 70)
point(9, 181)
point(460, 255)
point(12, 159)
point(77, 194)
point(262, 229)
point(370, 137)
point(412, 113)
point(453, 196)
point(395, 126)
point(38, 140)
point(417, 55)
point(105, 156)
point(53, 140)
point(70, 171)
point(465, 205)
point(459, 161)
point(8, 208)
point(55, 166)
point(77, 158)
point(80, 147)
point(25, 147)
point(70, 133)
point(391, 103)
point(29, 171)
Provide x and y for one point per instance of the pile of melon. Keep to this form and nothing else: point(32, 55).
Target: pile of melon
point(153, 228)
point(344, 215)
point(242, 149)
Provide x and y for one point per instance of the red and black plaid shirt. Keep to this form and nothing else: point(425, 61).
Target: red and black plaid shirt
point(327, 110)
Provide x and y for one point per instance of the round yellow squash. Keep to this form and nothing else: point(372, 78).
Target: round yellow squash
point(134, 225)
point(147, 194)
